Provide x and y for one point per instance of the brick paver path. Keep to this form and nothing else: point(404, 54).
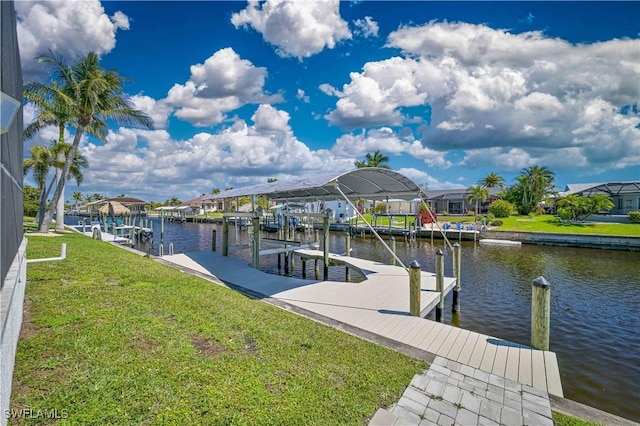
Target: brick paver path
point(451, 393)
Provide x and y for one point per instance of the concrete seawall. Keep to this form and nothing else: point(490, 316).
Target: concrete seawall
point(569, 240)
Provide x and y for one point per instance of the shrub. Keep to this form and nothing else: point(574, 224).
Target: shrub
point(30, 208)
point(496, 223)
point(381, 208)
point(501, 208)
point(634, 217)
point(470, 213)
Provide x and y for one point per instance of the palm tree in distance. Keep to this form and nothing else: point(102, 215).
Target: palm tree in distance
point(477, 194)
point(77, 197)
point(375, 160)
point(89, 95)
point(492, 180)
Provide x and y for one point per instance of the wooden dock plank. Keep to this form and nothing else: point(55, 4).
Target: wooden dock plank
point(457, 346)
point(407, 331)
point(554, 385)
point(478, 352)
point(500, 362)
point(467, 350)
point(438, 340)
point(426, 339)
point(418, 334)
point(513, 362)
point(538, 370)
point(396, 321)
point(489, 356)
point(401, 328)
point(524, 370)
point(449, 341)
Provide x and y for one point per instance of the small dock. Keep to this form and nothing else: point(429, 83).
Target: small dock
point(490, 241)
point(122, 234)
point(380, 305)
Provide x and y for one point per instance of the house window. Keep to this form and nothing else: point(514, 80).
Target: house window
point(620, 203)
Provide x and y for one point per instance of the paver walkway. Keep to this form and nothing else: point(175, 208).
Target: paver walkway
point(453, 393)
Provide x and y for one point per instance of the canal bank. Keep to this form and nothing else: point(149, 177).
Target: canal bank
point(598, 358)
point(609, 242)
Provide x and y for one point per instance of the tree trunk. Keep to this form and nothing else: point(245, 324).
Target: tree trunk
point(44, 227)
point(60, 205)
point(42, 205)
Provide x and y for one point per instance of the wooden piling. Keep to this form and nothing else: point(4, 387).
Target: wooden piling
point(255, 221)
point(213, 239)
point(540, 313)
point(304, 268)
point(347, 244)
point(456, 273)
point(325, 248)
point(392, 240)
point(414, 288)
point(225, 236)
point(316, 270)
point(440, 284)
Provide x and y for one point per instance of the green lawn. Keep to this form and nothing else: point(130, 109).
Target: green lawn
point(548, 223)
point(116, 338)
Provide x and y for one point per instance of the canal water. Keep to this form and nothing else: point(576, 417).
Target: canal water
point(595, 312)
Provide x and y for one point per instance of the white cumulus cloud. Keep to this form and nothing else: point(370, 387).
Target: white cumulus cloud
point(366, 27)
point(488, 91)
point(224, 82)
point(67, 28)
point(297, 29)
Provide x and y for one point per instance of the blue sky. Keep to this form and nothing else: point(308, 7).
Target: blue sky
point(450, 91)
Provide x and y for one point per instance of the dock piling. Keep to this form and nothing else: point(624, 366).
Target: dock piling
point(225, 236)
point(325, 232)
point(440, 284)
point(392, 240)
point(347, 251)
point(213, 239)
point(255, 221)
point(540, 313)
point(414, 288)
point(456, 273)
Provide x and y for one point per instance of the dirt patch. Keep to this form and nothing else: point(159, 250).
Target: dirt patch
point(207, 347)
point(142, 343)
point(250, 345)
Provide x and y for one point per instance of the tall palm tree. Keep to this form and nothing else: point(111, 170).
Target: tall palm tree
point(492, 180)
point(375, 160)
point(478, 194)
point(540, 184)
point(40, 162)
point(90, 95)
point(60, 151)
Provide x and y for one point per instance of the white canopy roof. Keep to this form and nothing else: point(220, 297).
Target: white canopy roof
point(369, 183)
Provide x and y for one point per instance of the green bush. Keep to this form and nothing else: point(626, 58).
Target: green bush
point(501, 208)
point(30, 208)
point(381, 208)
point(634, 217)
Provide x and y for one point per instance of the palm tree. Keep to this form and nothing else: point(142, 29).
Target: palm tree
point(375, 160)
point(89, 95)
point(492, 180)
point(477, 193)
point(40, 162)
point(60, 151)
point(77, 197)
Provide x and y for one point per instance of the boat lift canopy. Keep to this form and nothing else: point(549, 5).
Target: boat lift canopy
point(369, 183)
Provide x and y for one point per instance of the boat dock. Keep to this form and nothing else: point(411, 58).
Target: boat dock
point(379, 305)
